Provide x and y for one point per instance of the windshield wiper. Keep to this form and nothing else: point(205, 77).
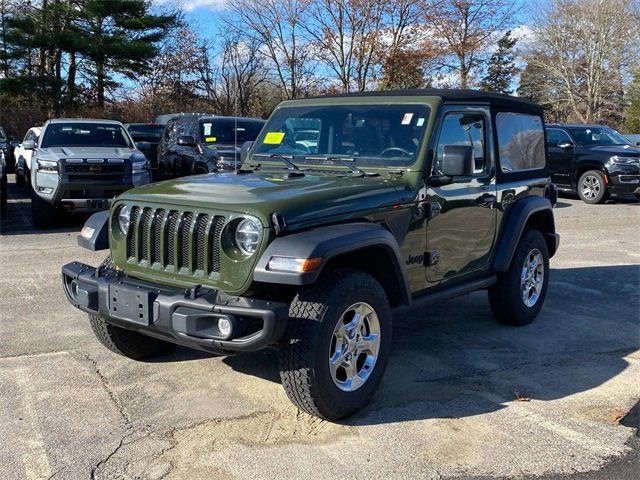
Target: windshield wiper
point(285, 159)
point(348, 162)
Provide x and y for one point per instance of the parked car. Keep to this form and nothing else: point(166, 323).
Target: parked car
point(80, 165)
point(594, 160)
point(408, 198)
point(194, 144)
point(147, 137)
point(7, 144)
point(23, 157)
point(3, 185)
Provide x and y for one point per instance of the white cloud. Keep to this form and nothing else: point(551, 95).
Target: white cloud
point(191, 5)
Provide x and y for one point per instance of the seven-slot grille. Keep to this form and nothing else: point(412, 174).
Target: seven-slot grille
point(175, 238)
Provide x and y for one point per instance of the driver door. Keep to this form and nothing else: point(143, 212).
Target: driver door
point(462, 220)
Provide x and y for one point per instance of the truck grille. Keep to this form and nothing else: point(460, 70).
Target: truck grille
point(178, 239)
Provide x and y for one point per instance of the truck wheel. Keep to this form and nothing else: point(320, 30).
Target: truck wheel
point(335, 349)
point(592, 187)
point(42, 212)
point(518, 295)
point(126, 342)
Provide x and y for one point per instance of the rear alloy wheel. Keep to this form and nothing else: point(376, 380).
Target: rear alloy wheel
point(518, 295)
point(592, 187)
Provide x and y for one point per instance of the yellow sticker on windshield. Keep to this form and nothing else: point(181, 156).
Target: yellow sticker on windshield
point(209, 139)
point(273, 138)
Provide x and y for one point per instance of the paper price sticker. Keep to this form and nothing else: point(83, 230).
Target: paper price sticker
point(273, 138)
point(210, 139)
point(406, 120)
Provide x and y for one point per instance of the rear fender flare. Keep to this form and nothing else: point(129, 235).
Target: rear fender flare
point(515, 222)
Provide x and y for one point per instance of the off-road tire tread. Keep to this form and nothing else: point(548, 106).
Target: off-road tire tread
point(504, 297)
point(126, 342)
point(299, 341)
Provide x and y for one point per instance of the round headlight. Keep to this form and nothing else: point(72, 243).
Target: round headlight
point(248, 235)
point(124, 219)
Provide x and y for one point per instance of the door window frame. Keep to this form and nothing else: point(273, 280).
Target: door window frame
point(483, 110)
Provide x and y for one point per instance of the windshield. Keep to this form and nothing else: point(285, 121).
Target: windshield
point(374, 135)
point(587, 136)
point(230, 131)
point(153, 131)
point(85, 135)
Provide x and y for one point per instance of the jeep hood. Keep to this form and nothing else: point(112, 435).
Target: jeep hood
point(56, 153)
point(298, 199)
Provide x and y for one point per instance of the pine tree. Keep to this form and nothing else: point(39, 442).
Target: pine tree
point(632, 113)
point(502, 68)
point(119, 36)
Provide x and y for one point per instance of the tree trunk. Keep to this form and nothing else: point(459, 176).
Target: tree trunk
point(100, 82)
point(71, 80)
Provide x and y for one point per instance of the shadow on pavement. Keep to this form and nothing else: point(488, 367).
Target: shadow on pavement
point(455, 360)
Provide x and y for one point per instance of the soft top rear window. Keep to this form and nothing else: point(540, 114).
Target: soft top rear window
point(520, 142)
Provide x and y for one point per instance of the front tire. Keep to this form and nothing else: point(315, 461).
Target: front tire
point(592, 187)
point(43, 214)
point(336, 346)
point(518, 295)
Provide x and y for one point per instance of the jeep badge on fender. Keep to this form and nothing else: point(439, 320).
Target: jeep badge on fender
point(310, 245)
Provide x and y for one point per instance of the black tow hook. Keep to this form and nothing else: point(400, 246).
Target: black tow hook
point(192, 292)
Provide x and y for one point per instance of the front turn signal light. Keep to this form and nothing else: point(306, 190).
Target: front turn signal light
point(294, 265)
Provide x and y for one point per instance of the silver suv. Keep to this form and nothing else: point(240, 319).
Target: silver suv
point(80, 165)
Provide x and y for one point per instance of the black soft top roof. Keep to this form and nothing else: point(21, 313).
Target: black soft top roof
point(451, 95)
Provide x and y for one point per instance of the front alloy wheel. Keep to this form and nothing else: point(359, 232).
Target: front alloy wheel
point(354, 347)
point(592, 187)
point(335, 349)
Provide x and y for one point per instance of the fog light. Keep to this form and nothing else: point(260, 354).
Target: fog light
point(45, 190)
point(224, 326)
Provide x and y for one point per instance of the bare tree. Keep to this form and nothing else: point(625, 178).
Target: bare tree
point(346, 36)
point(276, 25)
point(586, 48)
point(466, 29)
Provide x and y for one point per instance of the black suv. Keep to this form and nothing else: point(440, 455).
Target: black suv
point(595, 160)
point(195, 144)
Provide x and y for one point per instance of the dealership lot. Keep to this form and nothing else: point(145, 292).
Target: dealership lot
point(463, 395)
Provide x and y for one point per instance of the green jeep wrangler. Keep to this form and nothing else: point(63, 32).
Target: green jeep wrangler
point(345, 208)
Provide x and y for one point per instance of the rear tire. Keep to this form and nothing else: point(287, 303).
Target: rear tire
point(43, 214)
point(592, 187)
point(337, 343)
point(518, 295)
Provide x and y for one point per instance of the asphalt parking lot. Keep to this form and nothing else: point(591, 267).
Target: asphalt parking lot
point(463, 395)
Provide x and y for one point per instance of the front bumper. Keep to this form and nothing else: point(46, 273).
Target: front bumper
point(186, 317)
point(624, 179)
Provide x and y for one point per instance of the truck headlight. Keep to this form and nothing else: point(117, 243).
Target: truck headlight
point(47, 166)
point(248, 235)
point(625, 160)
point(140, 167)
point(124, 219)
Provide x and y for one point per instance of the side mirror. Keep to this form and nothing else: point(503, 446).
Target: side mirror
point(29, 145)
point(143, 146)
point(565, 145)
point(186, 141)
point(244, 151)
point(457, 161)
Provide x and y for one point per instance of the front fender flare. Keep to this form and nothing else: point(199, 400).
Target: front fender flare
point(329, 242)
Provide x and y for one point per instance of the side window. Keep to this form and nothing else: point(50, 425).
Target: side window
point(29, 136)
point(463, 129)
point(520, 141)
point(555, 136)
